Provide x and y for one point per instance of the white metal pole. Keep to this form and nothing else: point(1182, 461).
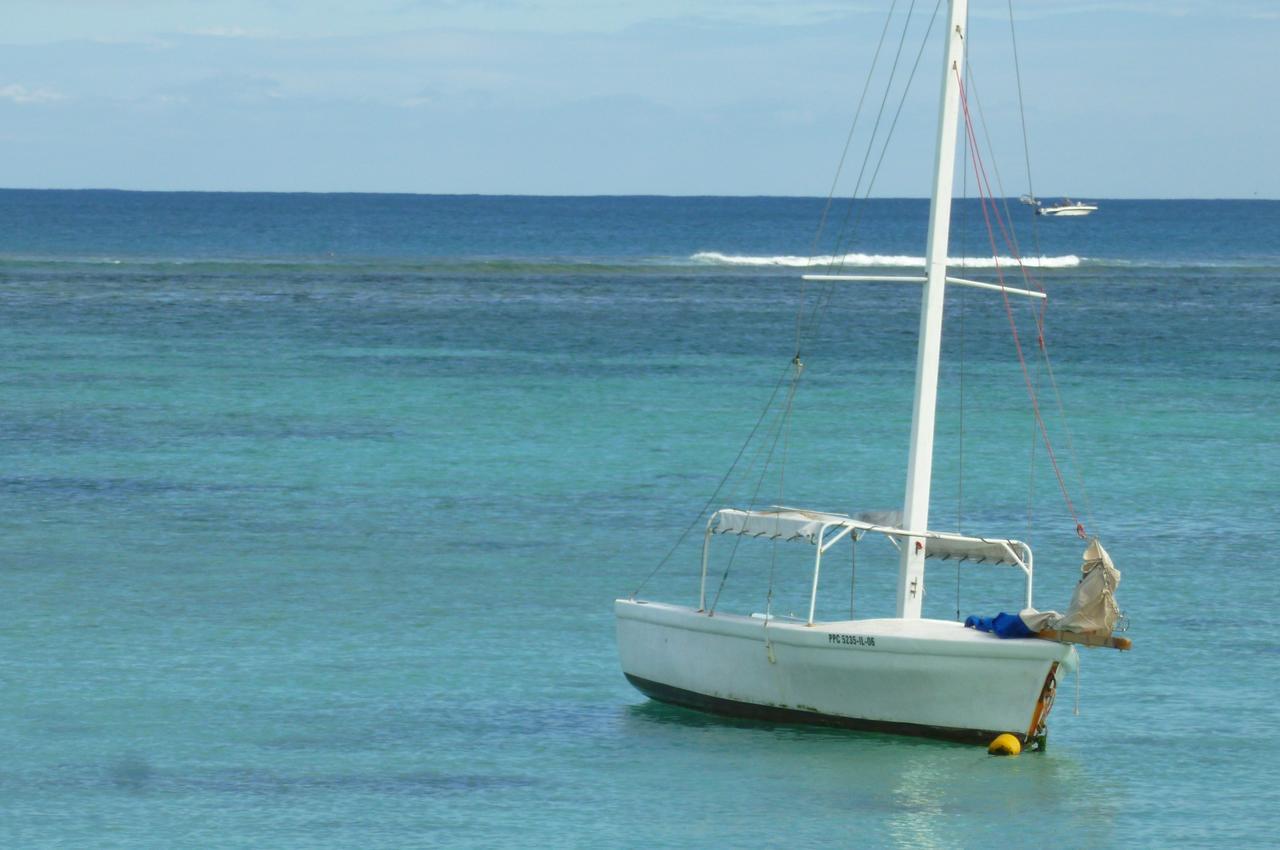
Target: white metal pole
point(702, 587)
point(817, 567)
point(1028, 559)
point(915, 513)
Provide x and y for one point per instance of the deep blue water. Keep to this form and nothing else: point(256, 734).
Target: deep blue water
point(425, 229)
point(314, 508)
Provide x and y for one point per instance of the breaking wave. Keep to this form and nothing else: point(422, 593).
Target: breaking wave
point(1066, 261)
point(703, 262)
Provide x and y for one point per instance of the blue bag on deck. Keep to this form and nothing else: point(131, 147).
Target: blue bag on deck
point(1001, 625)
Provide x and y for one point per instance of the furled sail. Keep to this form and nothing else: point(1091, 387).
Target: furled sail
point(1093, 606)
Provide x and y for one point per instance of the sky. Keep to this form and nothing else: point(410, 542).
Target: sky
point(1159, 98)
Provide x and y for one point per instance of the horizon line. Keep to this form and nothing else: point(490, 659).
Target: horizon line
point(584, 195)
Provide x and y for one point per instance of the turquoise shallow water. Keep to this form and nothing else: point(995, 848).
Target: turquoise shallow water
point(314, 508)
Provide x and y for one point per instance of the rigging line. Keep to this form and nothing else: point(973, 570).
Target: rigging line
point(1026, 137)
point(786, 435)
point(924, 42)
point(984, 187)
point(755, 494)
point(749, 469)
point(836, 255)
point(1035, 405)
point(829, 287)
point(775, 429)
point(964, 255)
point(1008, 233)
point(1012, 235)
point(1039, 316)
point(1066, 428)
point(800, 339)
point(836, 260)
point(807, 330)
point(906, 90)
point(1031, 469)
point(964, 229)
point(820, 310)
point(848, 142)
point(822, 302)
point(853, 571)
point(1022, 112)
point(711, 499)
point(826, 290)
point(1037, 312)
point(976, 97)
point(782, 417)
point(782, 485)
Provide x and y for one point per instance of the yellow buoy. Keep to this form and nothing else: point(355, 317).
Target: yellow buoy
point(1004, 745)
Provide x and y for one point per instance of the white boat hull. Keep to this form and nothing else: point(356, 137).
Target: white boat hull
point(918, 677)
point(1073, 210)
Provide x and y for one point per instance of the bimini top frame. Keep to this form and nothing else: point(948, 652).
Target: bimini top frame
point(824, 530)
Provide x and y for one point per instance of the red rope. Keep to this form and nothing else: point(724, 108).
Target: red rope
point(985, 194)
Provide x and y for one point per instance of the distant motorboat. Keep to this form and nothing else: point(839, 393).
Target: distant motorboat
point(1064, 207)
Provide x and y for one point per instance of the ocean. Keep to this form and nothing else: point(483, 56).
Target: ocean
point(314, 507)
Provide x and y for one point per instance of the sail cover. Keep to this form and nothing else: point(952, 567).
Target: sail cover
point(789, 524)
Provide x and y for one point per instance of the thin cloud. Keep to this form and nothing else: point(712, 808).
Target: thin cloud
point(20, 94)
point(228, 32)
point(1245, 9)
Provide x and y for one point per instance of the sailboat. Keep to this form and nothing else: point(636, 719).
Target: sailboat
point(904, 674)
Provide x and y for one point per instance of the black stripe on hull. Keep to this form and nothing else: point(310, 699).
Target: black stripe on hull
point(775, 714)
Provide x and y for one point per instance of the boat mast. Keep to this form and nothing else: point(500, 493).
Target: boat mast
point(915, 512)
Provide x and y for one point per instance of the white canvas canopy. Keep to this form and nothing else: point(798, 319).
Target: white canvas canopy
point(816, 527)
point(781, 524)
